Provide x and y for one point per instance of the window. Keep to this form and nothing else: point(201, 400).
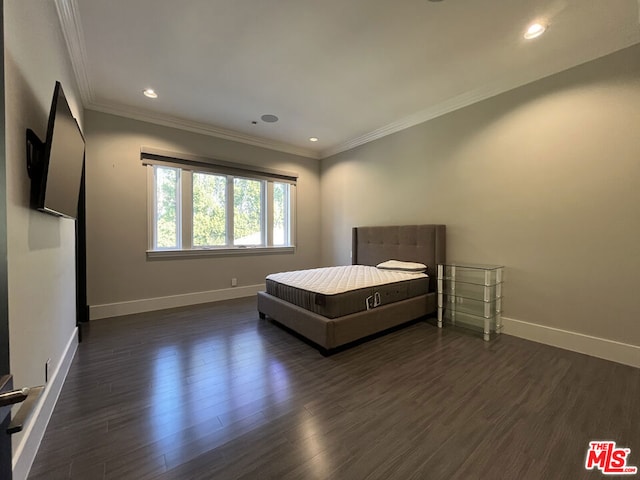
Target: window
point(281, 220)
point(197, 207)
point(209, 210)
point(248, 205)
point(167, 207)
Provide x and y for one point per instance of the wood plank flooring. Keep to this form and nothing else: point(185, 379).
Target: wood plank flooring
point(212, 392)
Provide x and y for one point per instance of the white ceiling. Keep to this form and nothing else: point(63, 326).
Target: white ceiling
point(345, 71)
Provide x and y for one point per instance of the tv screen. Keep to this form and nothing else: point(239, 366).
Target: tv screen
point(58, 170)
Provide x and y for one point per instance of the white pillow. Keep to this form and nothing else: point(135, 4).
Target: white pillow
point(402, 266)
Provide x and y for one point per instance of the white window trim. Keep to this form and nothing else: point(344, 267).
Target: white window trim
point(185, 217)
point(221, 251)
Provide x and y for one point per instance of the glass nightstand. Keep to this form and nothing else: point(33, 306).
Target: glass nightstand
point(470, 296)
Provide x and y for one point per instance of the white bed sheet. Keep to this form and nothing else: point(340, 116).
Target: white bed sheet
point(335, 280)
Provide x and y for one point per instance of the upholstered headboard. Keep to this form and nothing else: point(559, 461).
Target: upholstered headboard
point(411, 243)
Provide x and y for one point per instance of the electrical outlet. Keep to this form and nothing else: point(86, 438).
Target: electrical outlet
point(46, 370)
point(234, 282)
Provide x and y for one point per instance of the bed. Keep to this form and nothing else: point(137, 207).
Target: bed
point(332, 325)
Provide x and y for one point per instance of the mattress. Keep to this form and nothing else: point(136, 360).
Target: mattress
point(337, 291)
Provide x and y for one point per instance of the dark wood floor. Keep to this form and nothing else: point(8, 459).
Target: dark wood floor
point(213, 392)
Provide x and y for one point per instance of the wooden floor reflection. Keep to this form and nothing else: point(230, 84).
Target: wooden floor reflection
point(212, 392)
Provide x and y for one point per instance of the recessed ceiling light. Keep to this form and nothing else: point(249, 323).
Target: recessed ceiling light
point(269, 118)
point(534, 31)
point(313, 139)
point(150, 92)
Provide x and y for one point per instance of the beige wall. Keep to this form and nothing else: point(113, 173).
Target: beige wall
point(118, 268)
point(41, 248)
point(544, 179)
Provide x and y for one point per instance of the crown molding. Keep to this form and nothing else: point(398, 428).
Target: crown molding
point(450, 105)
point(74, 37)
point(477, 95)
point(201, 128)
point(69, 17)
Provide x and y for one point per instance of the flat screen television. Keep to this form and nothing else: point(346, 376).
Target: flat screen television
point(55, 165)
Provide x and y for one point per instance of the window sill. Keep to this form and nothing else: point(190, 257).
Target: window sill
point(216, 252)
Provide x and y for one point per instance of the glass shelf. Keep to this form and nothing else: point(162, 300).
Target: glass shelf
point(474, 307)
point(472, 290)
point(473, 322)
point(476, 274)
point(470, 296)
point(476, 266)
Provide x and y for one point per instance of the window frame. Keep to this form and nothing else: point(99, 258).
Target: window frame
point(154, 217)
point(190, 181)
point(286, 214)
point(264, 209)
point(189, 165)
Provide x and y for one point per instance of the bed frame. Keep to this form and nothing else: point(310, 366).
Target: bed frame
point(370, 246)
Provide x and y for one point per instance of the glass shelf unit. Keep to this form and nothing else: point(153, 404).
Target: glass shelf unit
point(470, 296)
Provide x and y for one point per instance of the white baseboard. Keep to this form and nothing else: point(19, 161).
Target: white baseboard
point(160, 303)
point(31, 436)
point(624, 353)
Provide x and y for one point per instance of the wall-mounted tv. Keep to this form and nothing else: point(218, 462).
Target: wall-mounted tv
point(55, 165)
